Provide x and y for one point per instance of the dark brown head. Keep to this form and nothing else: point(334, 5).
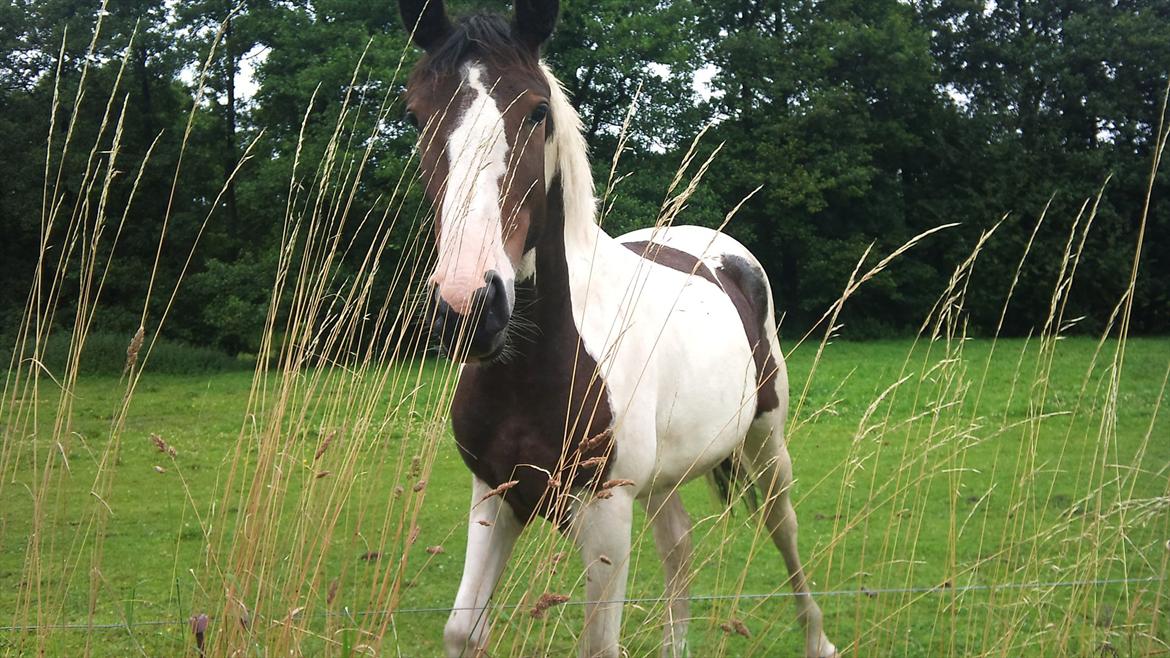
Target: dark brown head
point(481, 102)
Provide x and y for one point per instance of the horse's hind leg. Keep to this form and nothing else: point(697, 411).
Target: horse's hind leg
point(766, 450)
point(672, 536)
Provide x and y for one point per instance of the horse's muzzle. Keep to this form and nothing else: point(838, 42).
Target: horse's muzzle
point(480, 334)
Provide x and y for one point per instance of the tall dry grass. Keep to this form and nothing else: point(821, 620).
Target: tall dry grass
point(313, 478)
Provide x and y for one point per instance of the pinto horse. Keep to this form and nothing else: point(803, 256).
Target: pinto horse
point(632, 365)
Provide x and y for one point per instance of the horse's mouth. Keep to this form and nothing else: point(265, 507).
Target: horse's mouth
point(494, 355)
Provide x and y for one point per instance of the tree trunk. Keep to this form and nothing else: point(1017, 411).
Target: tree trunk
point(144, 81)
point(230, 158)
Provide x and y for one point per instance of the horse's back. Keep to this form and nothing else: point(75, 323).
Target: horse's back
point(706, 244)
point(732, 262)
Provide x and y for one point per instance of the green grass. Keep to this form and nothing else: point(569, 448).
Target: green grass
point(942, 494)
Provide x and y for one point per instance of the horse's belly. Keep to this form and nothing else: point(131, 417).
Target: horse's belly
point(707, 399)
point(682, 386)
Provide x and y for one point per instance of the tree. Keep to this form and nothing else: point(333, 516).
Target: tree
point(830, 107)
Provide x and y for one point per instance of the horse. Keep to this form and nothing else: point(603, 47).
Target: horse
point(596, 373)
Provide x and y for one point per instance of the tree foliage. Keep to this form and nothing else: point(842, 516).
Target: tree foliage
point(862, 122)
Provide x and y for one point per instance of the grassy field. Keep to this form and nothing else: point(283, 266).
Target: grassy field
point(1008, 468)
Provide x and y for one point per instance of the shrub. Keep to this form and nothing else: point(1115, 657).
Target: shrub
point(105, 353)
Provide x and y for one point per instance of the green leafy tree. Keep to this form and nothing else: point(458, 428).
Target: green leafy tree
point(829, 107)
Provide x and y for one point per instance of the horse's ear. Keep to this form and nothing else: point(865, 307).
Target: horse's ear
point(426, 21)
point(534, 21)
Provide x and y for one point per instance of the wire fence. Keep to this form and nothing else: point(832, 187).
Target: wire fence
point(652, 600)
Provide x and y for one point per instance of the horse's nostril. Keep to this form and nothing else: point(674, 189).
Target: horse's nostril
point(481, 330)
point(495, 304)
point(446, 322)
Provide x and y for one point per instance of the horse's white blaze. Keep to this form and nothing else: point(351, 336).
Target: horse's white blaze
point(470, 240)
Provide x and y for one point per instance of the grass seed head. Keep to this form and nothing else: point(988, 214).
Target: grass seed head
point(333, 586)
point(324, 445)
point(617, 483)
point(546, 601)
point(735, 626)
point(133, 348)
point(499, 490)
point(593, 442)
point(594, 461)
point(740, 628)
point(163, 446)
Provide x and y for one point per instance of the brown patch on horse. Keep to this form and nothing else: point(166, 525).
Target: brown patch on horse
point(748, 280)
point(536, 416)
point(744, 284)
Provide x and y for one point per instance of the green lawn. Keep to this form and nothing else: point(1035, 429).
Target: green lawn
point(1033, 472)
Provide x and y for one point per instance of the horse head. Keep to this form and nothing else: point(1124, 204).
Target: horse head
point(480, 102)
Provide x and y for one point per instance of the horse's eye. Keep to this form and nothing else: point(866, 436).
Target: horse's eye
point(412, 119)
point(539, 113)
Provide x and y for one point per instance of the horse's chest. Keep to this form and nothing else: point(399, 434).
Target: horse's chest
point(546, 430)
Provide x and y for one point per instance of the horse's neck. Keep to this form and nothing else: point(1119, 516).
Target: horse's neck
point(577, 259)
point(583, 245)
point(573, 259)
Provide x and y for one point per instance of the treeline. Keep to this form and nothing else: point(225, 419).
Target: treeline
point(861, 121)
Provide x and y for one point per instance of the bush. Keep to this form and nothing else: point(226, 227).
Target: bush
point(105, 353)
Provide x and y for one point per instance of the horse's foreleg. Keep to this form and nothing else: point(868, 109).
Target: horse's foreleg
point(769, 455)
point(601, 529)
point(489, 545)
point(672, 536)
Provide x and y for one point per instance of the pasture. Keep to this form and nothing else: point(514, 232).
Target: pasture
point(959, 494)
point(956, 498)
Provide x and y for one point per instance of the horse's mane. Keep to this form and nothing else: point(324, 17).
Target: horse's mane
point(569, 157)
point(479, 34)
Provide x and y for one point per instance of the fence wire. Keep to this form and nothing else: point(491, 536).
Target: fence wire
point(697, 598)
